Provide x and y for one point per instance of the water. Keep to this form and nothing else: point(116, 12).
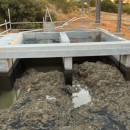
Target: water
point(77, 40)
point(79, 99)
point(8, 98)
point(40, 41)
point(84, 40)
point(82, 97)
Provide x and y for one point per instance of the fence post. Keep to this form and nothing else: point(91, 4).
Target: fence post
point(9, 18)
point(43, 24)
point(6, 26)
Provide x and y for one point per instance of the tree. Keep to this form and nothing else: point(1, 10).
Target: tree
point(22, 10)
point(93, 3)
point(109, 6)
point(124, 1)
point(116, 1)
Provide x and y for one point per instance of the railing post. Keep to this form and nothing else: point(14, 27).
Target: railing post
point(6, 26)
point(9, 19)
point(43, 24)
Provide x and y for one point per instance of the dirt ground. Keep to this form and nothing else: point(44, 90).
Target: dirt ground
point(108, 21)
point(46, 103)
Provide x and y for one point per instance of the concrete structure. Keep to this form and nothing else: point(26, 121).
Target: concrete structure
point(63, 44)
point(67, 61)
point(49, 27)
point(98, 9)
point(119, 19)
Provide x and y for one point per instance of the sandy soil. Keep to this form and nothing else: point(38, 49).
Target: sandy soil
point(46, 103)
point(106, 20)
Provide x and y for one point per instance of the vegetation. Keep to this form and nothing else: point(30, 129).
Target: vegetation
point(109, 6)
point(126, 8)
point(65, 5)
point(93, 3)
point(22, 10)
point(33, 10)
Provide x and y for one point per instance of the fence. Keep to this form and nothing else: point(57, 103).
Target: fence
point(6, 27)
point(70, 25)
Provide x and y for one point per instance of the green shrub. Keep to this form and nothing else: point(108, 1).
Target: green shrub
point(53, 16)
point(109, 6)
point(64, 5)
point(126, 8)
point(93, 3)
point(22, 10)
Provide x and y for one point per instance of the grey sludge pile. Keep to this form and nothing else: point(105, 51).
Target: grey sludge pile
point(43, 105)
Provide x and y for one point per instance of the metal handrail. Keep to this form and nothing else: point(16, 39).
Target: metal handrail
point(6, 26)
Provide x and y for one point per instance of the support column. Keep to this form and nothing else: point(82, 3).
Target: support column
point(98, 9)
point(125, 66)
point(67, 61)
point(119, 19)
point(68, 70)
point(123, 63)
point(10, 70)
point(119, 16)
point(5, 65)
point(6, 75)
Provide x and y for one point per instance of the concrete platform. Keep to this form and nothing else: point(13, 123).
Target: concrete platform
point(66, 45)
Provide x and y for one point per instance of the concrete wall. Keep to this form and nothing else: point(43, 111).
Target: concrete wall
point(6, 64)
point(124, 60)
point(95, 35)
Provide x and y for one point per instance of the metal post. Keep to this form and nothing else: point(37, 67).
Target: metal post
point(88, 1)
point(47, 14)
point(119, 16)
point(9, 19)
point(98, 9)
point(6, 26)
point(43, 23)
point(83, 11)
